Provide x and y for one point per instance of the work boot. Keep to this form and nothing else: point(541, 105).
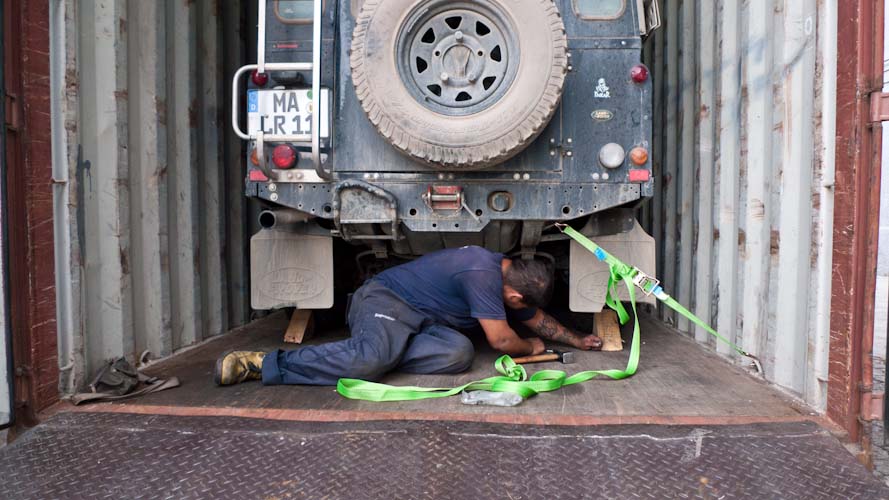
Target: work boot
point(234, 367)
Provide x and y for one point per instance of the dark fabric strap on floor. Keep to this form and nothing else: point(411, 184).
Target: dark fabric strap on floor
point(95, 397)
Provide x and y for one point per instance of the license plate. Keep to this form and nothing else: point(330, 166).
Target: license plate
point(285, 112)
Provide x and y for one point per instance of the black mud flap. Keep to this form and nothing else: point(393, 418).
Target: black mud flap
point(359, 207)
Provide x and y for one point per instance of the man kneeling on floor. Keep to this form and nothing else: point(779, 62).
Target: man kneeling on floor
point(407, 319)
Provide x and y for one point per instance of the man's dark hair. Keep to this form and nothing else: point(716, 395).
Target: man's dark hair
point(531, 278)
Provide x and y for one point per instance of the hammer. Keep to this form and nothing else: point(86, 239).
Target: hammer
point(548, 355)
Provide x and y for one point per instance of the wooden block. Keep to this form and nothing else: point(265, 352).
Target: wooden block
point(300, 328)
point(606, 326)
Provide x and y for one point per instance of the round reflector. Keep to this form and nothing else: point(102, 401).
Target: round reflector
point(612, 155)
point(639, 73)
point(284, 156)
point(639, 156)
point(260, 79)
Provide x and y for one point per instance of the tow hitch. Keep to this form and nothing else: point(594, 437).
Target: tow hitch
point(448, 199)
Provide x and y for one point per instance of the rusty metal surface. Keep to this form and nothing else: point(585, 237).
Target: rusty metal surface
point(856, 221)
point(879, 107)
point(29, 217)
point(126, 456)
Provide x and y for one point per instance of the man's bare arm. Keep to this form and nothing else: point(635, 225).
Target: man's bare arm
point(502, 338)
point(548, 328)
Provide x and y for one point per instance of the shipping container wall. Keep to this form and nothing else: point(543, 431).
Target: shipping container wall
point(149, 176)
point(745, 104)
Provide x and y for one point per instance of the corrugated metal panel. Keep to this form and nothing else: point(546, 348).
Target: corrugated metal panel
point(741, 190)
point(158, 215)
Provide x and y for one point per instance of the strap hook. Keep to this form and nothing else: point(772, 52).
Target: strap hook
point(756, 363)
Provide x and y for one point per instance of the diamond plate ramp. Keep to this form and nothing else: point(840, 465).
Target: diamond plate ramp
point(96, 455)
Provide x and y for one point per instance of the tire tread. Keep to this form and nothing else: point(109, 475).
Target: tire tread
point(509, 143)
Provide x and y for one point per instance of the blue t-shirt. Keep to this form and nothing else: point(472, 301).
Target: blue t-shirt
point(454, 287)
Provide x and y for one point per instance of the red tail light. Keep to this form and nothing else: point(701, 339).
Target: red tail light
point(257, 176)
point(260, 79)
point(284, 156)
point(639, 73)
point(639, 175)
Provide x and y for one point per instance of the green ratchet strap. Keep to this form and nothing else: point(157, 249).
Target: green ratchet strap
point(513, 377)
point(650, 286)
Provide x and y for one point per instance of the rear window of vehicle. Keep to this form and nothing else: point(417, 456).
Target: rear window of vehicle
point(599, 9)
point(294, 11)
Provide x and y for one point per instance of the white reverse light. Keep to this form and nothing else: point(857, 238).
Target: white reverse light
point(612, 155)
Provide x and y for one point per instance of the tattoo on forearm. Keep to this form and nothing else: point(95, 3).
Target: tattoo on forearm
point(549, 328)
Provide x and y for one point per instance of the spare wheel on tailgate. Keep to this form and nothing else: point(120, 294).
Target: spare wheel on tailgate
point(460, 85)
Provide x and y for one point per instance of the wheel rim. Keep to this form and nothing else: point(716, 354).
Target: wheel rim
point(458, 58)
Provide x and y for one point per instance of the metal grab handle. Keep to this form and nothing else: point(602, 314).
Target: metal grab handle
point(260, 146)
point(316, 91)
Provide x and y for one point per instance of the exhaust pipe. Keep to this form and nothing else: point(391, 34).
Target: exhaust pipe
point(270, 219)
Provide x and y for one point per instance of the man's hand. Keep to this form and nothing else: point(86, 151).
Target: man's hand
point(547, 327)
point(590, 343)
point(538, 346)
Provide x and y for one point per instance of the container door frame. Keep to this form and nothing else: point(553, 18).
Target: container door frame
point(857, 213)
point(6, 372)
point(16, 215)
